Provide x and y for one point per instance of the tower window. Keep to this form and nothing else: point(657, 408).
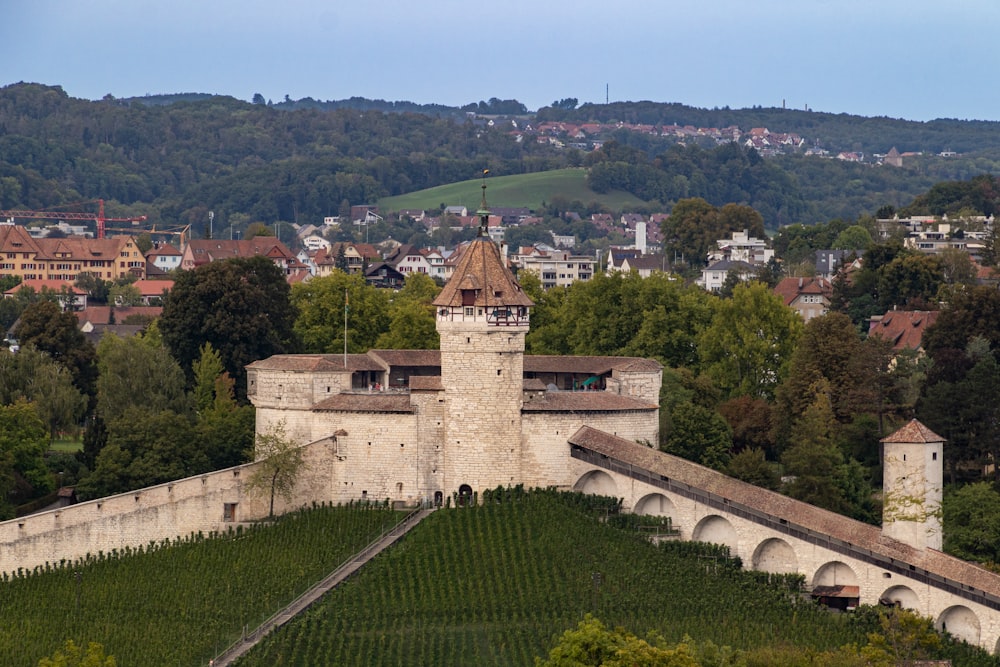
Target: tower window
point(499, 371)
point(933, 456)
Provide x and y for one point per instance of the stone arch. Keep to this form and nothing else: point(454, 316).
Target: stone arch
point(655, 504)
point(960, 621)
point(775, 555)
point(835, 573)
point(901, 596)
point(598, 483)
point(718, 530)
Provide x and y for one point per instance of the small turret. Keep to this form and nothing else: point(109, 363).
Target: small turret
point(912, 486)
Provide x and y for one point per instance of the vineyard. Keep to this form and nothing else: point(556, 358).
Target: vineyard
point(493, 584)
point(182, 602)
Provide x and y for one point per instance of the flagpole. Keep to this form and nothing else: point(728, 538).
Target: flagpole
point(345, 328)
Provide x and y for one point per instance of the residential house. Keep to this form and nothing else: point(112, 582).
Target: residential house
point(355, 257)
point(153, 291)
point(555, 268)
point(96, 321)
point(828, 262)
point(742, 248)
point(713, 277)
point(903, 328)
point(70, 297)
point(64, 259)
point(204, 251)
point(384, 274)
point(164, 257)
point(408, 259)
point(645, 265)
point(810, 297)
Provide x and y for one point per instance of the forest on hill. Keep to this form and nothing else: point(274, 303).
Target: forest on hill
point(175, 158)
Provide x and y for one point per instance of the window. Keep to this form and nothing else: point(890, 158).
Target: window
point(229, 512)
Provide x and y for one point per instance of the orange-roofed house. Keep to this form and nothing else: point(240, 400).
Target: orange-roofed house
point(810, 297)
point(904, 328)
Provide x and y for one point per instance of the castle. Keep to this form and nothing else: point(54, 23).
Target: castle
point(422, 425)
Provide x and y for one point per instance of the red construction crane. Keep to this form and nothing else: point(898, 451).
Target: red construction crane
point(56, 215)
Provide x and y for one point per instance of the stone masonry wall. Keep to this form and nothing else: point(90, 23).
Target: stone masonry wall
point(167, 511)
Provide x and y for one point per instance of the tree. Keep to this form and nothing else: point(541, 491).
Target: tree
point(241, 306)
point(591, 643)
point(145, 446)
point(699, 434)
point(72, 655)
point(412, 321)
point(752, 467)
point(278, 464)
point(747, 346)
point(905, 638)
point(854, 237)
point(971, 531)
point(136, 373)
point(32, 375)
point(23, 443)
point(322, 309)
point(44, 326)
point(207, 370)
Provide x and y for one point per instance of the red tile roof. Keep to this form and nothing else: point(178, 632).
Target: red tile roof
point(905, 328)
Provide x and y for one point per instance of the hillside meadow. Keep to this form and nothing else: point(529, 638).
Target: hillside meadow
point(520, 190)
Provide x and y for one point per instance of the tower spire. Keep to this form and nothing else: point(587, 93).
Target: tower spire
point(484, 211)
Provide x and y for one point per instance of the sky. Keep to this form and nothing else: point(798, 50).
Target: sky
point(911, 59)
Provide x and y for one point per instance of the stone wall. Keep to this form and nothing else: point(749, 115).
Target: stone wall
point(167, 511)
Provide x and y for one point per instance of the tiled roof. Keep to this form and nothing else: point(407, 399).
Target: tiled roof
point(481, 269)
point(316, 362)
point(408, 357)
point(790, 289)
point(914, 432)
point(585, 401)
point(905, 328)
point(47, 284)
point(789, 511)
point(545, 363)
point(15, 238)
point(375, 402)
point(426, 383)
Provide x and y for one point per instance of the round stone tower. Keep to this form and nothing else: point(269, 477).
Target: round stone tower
point(482, 319)
point(912, 462)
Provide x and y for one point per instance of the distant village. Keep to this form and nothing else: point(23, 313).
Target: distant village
point(591, 136)
point(42, 260)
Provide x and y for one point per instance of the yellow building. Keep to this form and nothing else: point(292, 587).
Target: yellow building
point(66, 258)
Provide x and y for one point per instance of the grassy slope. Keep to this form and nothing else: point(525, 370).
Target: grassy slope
point(528, 190)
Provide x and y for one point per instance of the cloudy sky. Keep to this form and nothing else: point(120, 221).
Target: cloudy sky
point(913, 59)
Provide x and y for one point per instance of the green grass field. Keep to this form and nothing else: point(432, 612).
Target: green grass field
point(67, 445)
point(528, 190)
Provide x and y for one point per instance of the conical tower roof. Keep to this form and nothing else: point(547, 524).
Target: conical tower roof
point(482, 273)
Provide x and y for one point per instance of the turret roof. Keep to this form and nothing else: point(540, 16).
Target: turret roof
point(913, 432)
point(482, 270)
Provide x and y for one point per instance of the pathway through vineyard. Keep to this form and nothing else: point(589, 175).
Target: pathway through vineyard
point(300, 604)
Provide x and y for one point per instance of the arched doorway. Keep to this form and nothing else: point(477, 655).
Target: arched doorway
point(438, 498)
point(775, 555)
point(464, 495)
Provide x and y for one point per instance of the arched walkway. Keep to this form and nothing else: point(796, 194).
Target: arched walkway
point(598, 483)
point(902, 596)
point(717, 530)
point(655, 504)
point(961, 622)
point(775, 555)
